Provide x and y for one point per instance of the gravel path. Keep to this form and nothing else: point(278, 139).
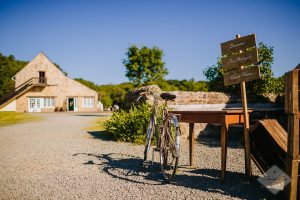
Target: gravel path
point(56, 158)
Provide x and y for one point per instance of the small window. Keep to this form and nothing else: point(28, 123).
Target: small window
point(42, 77)
point(41, 74)
point(88, 102)
point(49, 102)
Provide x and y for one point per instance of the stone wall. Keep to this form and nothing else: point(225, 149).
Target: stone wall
point(188, 98)
point(182, 97)
point(132, 96)
point(198, 101)
point(185, 101)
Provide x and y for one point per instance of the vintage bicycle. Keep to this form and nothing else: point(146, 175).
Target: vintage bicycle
point(167, 136)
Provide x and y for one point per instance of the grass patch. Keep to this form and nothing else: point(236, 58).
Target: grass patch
point(97, 124)
point(97, 129)
point(9, 118)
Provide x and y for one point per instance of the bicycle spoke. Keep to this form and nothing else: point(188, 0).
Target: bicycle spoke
point(168, 155)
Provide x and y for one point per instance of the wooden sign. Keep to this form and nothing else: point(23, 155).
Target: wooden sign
point(242, 75)
point(235, 57)
point(242, 43)
point(234, 61)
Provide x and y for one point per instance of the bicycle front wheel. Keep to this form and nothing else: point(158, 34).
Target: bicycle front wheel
point(169, 147)
point(150, 130)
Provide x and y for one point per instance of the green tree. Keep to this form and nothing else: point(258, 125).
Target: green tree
point(183, 85)
point(266, 84)
point(87, 83)
point(144, 66)
point(114, 94)
point(9, 66)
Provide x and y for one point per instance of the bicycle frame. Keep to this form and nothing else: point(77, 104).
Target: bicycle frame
point(167, 141)
point(153, 127)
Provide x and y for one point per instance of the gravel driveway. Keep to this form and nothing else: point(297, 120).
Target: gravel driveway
point(56, 158)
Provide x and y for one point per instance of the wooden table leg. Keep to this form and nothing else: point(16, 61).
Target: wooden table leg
point(191, 140)
point(224, 142)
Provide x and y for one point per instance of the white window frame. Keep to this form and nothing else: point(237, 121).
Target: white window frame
point(48, 102)
point(35, 104)
point(88, 102)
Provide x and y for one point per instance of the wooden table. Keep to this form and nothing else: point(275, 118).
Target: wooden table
point(224, 117)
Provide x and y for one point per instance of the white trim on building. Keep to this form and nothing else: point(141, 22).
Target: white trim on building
point(88, 102)
point(35, 104)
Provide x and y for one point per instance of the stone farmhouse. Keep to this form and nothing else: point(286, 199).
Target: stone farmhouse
point(42, 87)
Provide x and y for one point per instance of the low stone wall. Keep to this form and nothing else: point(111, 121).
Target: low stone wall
point(199, 101)
point(183, 97)
point(188, 98)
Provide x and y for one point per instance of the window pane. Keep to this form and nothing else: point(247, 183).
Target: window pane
point(38, 103)
point(88, 102)
point(52, 102)
point(92, 102)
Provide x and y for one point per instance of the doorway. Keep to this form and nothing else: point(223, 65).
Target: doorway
point(72, 104)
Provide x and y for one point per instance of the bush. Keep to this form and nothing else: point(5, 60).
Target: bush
point(130, 126)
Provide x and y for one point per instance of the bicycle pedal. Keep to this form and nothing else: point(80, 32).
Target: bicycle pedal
point(145, 164)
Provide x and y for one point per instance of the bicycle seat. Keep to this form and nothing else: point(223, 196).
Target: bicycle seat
point(167, 96)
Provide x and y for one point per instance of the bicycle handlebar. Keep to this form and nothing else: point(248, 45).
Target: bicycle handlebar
point(148, 93)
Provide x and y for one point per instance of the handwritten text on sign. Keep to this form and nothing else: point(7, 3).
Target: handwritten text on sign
point(234, 46)
point(242, 75)
point(236, 60)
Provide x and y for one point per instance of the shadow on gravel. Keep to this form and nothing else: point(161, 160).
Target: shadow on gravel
point(211, 136)
point(128, 168)
point(102, 135)
point(125, 167)
point(236, 184)
point(234, 141)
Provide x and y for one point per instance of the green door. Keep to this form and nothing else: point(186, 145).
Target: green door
point(71, 104)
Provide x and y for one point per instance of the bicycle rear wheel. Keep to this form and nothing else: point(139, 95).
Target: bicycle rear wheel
point(169, 147)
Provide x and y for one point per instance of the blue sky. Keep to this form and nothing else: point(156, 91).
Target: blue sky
point(89, 38)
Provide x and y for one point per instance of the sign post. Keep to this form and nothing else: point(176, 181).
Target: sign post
point(237, 54)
